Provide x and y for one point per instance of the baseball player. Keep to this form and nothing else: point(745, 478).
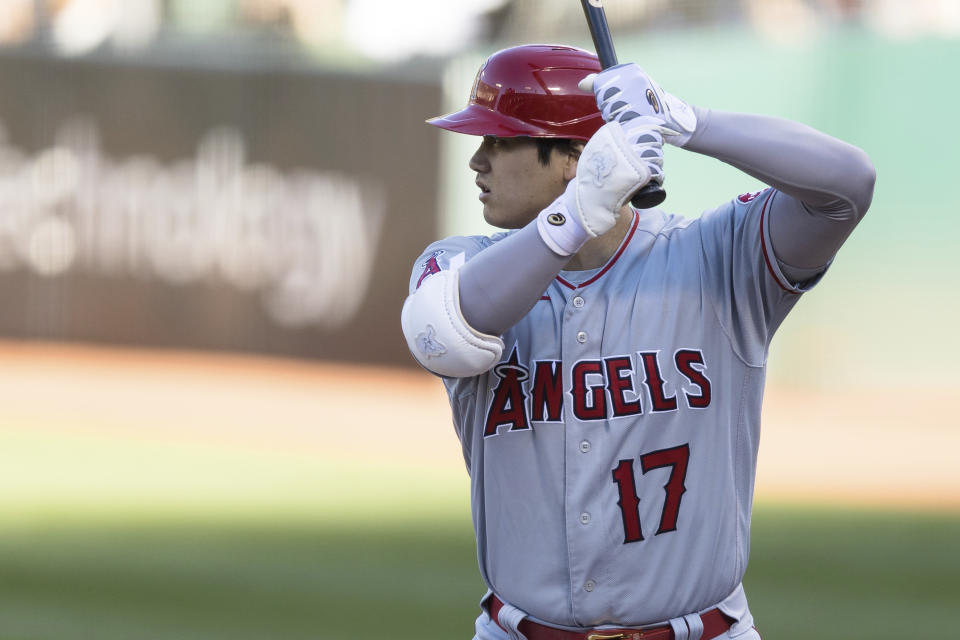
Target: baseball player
point(604, 364)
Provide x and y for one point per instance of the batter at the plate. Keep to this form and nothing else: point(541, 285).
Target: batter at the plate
point(605, 365)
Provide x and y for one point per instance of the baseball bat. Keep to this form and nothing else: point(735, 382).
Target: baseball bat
point(652, 194)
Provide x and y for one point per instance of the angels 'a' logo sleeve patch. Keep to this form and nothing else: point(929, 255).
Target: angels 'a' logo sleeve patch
point(745, 198)
point(430, 266)
point(433, 263)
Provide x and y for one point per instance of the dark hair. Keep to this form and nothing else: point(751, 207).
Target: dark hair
point(545, 147)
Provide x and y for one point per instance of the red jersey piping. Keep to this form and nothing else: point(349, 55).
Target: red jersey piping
point(606, 267)
point(763, 246)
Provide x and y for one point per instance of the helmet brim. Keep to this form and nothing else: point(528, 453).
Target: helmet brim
point(475, 120)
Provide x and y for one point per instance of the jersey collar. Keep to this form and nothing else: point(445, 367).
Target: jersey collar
point(611, 261)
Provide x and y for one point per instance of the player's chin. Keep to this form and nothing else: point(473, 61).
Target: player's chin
point(497, 217)
point(492, 215)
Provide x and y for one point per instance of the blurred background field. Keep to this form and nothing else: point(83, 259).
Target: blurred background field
point(179, 495)
point(209, 426)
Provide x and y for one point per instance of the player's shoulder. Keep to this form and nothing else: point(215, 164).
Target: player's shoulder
point(454, 244)
point(449, 253)
point(735, 211)
point(657, 222)
point(672, 222)
point(467, 244)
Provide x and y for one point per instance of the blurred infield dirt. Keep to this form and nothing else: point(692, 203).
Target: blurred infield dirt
point(855, 447)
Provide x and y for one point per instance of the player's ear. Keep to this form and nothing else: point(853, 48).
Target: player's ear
point(570, 163)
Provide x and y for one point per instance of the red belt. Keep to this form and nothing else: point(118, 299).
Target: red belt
point(715, 623)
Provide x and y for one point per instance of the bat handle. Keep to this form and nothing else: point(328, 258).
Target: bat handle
point(648, 197)
point(653, 194)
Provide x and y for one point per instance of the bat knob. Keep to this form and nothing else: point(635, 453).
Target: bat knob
point(649, 197)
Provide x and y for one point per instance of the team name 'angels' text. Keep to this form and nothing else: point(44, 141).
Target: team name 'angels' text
point(599, 389)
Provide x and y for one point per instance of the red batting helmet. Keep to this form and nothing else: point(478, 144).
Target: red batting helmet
point(530, 90)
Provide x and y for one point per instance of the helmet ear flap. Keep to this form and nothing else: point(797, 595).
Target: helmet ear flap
point(530, 90)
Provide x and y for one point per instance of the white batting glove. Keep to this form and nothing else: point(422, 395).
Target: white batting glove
point(626, 94)
point(646, 141)
point(608, 173)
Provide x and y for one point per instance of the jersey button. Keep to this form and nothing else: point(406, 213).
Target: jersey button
point(584, 518)
point(589, 585)
point(585, 446)
point(581, 337)
point(578, 302)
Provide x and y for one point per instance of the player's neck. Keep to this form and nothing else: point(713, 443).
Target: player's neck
point(597, 251)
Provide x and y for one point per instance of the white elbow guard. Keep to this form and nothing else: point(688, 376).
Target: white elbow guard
point(438, 336)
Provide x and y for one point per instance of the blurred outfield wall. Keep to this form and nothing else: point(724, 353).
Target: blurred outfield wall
point(886, 314)
point(212, 206)
point(277, 210)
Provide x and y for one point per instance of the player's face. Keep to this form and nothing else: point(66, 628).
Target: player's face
point(514, 185)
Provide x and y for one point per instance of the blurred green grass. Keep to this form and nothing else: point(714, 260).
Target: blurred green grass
point(142, 536)
point(849, 573)
point(235, 580)
point(814, 573)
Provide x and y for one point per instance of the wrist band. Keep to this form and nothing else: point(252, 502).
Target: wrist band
point(560, 229)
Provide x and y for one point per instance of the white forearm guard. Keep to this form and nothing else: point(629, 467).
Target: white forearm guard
point(438, 336)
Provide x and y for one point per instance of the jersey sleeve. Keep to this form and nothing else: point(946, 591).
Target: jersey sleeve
point(742, 278)
point(449, 253)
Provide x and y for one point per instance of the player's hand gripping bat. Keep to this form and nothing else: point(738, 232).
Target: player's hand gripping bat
point(652, 194)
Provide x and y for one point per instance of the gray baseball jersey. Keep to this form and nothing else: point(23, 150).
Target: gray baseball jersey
point(612, 450)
